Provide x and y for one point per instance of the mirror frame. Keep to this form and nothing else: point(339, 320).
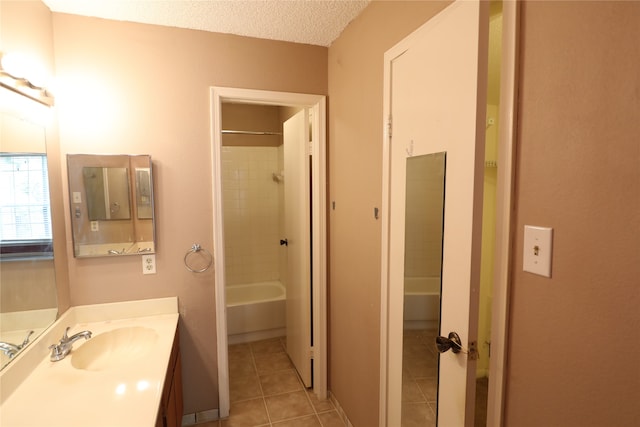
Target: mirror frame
point(133, 235)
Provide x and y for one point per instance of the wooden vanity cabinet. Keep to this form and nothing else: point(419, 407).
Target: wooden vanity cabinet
point(170, 411)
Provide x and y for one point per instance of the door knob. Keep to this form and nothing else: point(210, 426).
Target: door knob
point(284, 242)
point(452, 342)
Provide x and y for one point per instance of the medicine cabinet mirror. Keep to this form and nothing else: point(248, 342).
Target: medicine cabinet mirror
point(111, 204)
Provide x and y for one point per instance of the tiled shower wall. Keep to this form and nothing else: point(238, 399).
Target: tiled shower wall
point(252, 205)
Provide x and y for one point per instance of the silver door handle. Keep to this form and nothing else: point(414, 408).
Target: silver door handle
point(452, 342)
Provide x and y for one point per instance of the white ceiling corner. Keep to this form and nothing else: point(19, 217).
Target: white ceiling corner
point(316, 22)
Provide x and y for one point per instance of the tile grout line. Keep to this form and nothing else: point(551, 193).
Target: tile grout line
point(264, 400)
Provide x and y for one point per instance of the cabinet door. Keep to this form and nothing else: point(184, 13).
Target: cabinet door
point(170, 415)
point(177, 388)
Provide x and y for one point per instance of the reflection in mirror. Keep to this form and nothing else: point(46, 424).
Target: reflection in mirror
point(107, 192)
point(143, 193)
point(103, 190)
point(28, 299)
point(424, 214)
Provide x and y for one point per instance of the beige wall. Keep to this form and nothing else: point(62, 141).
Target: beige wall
point(355, 175)
point(27, 285)
point(26, 28)
point(143, 89)
point(573, 350)
point(253, 118)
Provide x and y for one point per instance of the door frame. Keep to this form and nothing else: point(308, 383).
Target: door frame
point(317, 105)
point(504, 218)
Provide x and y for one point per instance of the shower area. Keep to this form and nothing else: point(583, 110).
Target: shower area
point(253, 202)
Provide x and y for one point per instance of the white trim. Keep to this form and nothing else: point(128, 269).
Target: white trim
point(224, 403)
point(504, 218)
point(319, 262)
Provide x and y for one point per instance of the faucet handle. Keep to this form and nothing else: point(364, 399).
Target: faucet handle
point(57, 352)
point(26, 339)
point(65, 337)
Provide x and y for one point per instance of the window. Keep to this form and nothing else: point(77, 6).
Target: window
point(25, 217)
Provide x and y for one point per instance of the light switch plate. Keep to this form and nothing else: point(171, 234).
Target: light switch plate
point(537, 252)
point(77, 197)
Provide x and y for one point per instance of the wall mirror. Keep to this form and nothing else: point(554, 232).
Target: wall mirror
point(28, 298)
point(424, 221)
point(111, 201)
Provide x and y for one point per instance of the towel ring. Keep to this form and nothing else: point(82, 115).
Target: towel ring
point(195, 249)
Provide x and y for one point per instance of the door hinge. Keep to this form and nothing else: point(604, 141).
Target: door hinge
point(310, 153)
point(473, 351)
point(389, 127)
point(311, 356)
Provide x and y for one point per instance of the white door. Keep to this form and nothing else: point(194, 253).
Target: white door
point(437, 104)
point(297, 232)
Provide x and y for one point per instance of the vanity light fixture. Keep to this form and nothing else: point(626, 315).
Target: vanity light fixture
point(22, 76)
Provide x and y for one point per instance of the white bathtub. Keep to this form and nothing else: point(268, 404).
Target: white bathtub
point(255, 311)
point(421, 302)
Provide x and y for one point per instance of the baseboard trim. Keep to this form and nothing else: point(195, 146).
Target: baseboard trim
point(256, 336)
point(340, 411)
point(200, 417)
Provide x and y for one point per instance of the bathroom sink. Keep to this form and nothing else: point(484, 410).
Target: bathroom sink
point(114, 348)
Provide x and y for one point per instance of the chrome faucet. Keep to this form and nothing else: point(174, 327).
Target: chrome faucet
point(59, 351)
point(12, 349)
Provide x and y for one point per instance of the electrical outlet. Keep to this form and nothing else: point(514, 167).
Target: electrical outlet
point(148, 264)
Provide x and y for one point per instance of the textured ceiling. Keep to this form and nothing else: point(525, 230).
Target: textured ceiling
point(316, 22)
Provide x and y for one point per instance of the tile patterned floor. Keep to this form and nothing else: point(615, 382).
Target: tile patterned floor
point(419, 378)
point(265, 391)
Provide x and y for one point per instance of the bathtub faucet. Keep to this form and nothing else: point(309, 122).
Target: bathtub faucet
point(59, 351)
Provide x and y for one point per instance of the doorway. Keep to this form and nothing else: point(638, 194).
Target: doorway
point(312, 163)
point(456, 389)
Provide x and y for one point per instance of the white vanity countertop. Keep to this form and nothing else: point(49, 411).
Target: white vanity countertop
point(123, 394)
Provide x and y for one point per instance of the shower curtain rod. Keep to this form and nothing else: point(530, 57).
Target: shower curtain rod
point(248, 132)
